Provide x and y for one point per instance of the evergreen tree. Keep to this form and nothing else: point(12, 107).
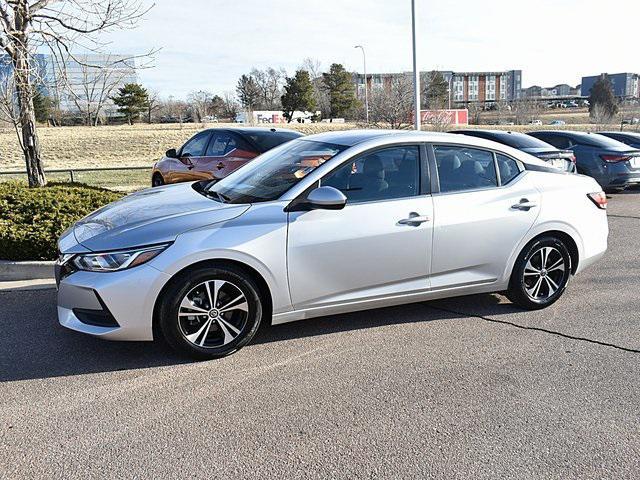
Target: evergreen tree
point(298, 94)
point(42, 106)
point(132, 100)
point(248, 92)
point(339, 84)
point(602, 98)
point(436, 91)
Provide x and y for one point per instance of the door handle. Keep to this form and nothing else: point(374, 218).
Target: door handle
point(414, 219)
point(220, 166)
point(524, 205)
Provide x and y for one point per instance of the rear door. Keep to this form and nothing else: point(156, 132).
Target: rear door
point(226, 152)
point(479, 216)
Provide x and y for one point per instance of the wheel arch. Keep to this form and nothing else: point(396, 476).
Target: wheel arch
point(564, 232)
point(263, 286)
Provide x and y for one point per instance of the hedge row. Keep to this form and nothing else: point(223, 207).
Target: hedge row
point(32, 219)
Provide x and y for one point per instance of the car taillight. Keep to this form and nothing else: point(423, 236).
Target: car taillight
point(615, 158)
point(573, 158)
point(599, 198)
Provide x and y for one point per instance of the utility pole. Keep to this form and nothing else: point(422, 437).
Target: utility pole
point(366, 96)
point(416, 73)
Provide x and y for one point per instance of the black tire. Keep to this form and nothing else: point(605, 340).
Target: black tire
point(177, 322)
point(522, 288)
point(157, 180)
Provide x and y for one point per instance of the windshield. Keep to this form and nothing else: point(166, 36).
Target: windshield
point(273, 173)
point(268, 140)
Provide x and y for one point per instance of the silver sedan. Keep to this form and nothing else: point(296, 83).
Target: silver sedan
point(327, 224)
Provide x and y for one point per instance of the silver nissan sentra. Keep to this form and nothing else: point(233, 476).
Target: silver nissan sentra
point(327, 224)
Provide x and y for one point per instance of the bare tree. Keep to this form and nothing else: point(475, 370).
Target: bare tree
point(200, 103)
point(393, 106)
point(269, 82)
point(91, 88)
point(314, 67)
point(63, 26)
point(153, 105)
point(230, 106)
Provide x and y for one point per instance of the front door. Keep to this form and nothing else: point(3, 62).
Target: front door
point(378, 246)
point(183, 169)
point(480, 215)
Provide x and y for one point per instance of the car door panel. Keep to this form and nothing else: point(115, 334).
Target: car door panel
point(358, 253)
point(475, 232)
point(476, 229)
point(368, 250)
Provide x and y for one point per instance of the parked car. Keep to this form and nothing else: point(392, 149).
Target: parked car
point(613, 164)
point(215, 153)
point(326, 224)
point(628, 138)
point(557, 122)
point(535, 122)
point(562, 159)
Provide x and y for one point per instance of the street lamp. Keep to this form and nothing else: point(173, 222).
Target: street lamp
point(416, 74)
point(366, 97)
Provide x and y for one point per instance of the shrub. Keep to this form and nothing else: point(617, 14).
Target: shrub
point(32, 219)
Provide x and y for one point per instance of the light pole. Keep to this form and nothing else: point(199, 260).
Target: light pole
point(416, 74)
point(366, 96)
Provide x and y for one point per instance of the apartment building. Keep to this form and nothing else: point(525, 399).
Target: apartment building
point(464, 87)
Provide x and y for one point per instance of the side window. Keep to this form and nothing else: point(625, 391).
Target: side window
point(507, 168)
point(231, 145)
point(195, 147)
point(218, 145)
point(461, 168)
point(382, 175)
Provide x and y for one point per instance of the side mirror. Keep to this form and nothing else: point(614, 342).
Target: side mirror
point(171, 153)
point(326, 198)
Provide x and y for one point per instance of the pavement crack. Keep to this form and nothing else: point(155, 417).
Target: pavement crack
point(623, 216)
point(539, 329)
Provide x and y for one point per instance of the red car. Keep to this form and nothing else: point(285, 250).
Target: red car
point(215, 153)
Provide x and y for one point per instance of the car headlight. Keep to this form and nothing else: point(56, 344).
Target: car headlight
point(117, 260)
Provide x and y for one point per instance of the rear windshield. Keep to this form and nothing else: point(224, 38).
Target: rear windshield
point(268, 140)
point(596, 140)
point(520, 140)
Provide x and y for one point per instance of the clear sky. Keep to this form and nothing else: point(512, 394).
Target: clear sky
point(208, 44)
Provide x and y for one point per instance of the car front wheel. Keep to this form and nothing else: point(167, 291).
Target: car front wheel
point(210, 312)
point(541, 273)
point(157, 180)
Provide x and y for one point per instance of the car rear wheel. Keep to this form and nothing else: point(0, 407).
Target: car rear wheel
point(541, 273)
point(157, 180)
point(210, 312)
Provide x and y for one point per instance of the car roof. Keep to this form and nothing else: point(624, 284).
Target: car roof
point(249, 130)
point(486, 130)
point(630, 134)
point(565, 132)
point(381, 138)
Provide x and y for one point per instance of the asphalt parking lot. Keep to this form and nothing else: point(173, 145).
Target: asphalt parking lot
point(462, 388)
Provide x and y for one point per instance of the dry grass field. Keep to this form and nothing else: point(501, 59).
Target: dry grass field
point(138, 145)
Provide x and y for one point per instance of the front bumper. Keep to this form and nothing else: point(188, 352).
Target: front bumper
point(113, 305)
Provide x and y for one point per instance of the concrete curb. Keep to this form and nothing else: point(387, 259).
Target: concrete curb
point(11, 271)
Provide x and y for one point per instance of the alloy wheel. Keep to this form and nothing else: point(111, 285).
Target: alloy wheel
point(544, 274)
point(213, 314)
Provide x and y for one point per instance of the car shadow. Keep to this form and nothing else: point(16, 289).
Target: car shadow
point(34, 346)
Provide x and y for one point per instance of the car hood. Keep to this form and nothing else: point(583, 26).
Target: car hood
point(155, 215)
